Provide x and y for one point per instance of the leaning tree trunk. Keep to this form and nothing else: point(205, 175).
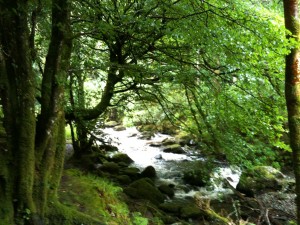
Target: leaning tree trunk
point(292, 90)
point(31, 163)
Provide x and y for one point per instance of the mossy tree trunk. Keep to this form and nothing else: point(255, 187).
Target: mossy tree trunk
point(31, 164)
point(81, 115)
point(292, 90)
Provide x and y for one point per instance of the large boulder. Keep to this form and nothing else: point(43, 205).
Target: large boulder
point(198, 177)
point(122, 158)
point(110, 167)
point(145, 189)
point(191, 211)
point(167, 189)
point(183, 208)
point(123, 179)
point(108, 148)
point(183, 139)
point(172, 207)
point(111, 124)
point(174, 148)
point(146, 135)
point(149, 172)
point(260, 179)
point(169, 141)
point(119, 128)
point(132, 172)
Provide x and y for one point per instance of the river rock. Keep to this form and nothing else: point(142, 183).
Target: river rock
point(122, 158)
point(144, 189)
point(183, 139)
point(111, 124)
point(175, 148)
point(159, 156)
point(167, 189)
point(169, 141)
point(198, 176)
point(146, 135)
point(108, 148)
point(119, 128)
point(260, 179)
point(171, 207)
point(132, 172)
point(191, 211)
point(155, 144)
point(149, 172)
point(110, 167)
point(186, 209)
point(123, 179)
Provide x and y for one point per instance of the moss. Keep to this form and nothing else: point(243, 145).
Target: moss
point(144, 189)
point(60, 214)
point(94, 196)
point(121, 157)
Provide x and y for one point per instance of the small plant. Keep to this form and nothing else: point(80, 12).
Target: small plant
point(138, 219)
point(27, 214)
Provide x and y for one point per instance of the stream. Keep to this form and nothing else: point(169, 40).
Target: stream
point(169, 166)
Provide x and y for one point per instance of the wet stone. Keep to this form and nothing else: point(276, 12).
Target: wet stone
point(149, 172)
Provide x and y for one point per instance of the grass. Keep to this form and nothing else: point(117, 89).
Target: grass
point(94, 196)
point(100, 199)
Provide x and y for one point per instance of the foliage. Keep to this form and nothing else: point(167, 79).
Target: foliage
point(139, 220)
point(212, 82)
point(97, 198)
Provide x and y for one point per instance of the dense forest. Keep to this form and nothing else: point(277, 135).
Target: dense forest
point(224, 73)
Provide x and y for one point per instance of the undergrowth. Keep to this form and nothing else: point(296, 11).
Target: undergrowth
point(98, 198)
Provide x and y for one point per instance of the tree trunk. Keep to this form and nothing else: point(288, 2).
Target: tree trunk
point(292, 90)
point(31, 164)
point(17, 161)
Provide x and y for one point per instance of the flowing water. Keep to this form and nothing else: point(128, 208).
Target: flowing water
point(168, 165)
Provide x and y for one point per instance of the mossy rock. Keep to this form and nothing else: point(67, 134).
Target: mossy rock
point(111, 124)
point(191, 212)
point(123, 179)
point(144, 189)
point(175, 148)
point(260, 179)
point(146, 135)
point(108, 148)
point(167, 128)
point(149, 172)
point(119, 128)
point(171, 207)
point(122, 158)
point(110, 167)
point(183, 139)
point(90, 160)
point(132, 172)
point(169, 141)
point(198, 177)
point(148, 127)
point(167, 189)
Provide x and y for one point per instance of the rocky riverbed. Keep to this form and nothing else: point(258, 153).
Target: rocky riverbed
point(169, 175)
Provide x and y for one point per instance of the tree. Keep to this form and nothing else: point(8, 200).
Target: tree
point(131, 38)
point(31, 165)
point(292, 88)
